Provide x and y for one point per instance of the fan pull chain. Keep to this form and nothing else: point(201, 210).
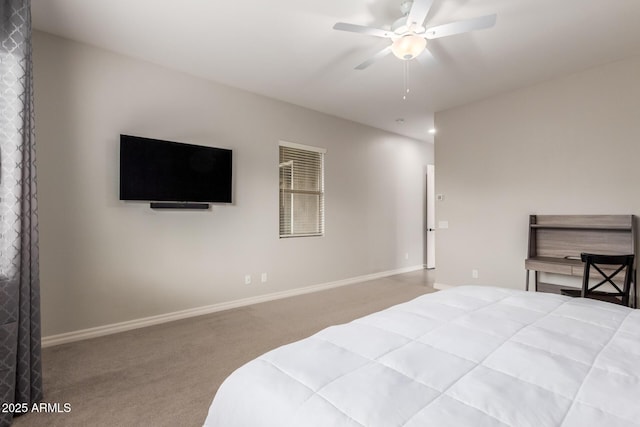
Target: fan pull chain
point(406, 80)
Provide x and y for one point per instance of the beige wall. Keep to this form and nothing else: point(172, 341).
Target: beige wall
point(566, 146)
point(105, 261)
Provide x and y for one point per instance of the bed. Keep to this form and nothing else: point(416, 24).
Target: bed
point(467, 356)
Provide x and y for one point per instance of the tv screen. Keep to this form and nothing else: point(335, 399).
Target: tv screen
point(155, 170)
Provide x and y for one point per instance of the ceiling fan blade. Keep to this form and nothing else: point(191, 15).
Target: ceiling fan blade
point(384, 52)
point(419, 11)
point(342, 26)
point(426, 58)
point(460, 27)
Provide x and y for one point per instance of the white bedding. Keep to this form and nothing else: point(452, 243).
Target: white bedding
point(468, 356)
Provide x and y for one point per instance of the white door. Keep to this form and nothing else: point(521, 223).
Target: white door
point(431, 217)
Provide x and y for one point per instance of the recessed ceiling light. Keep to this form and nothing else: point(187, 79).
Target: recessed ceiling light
point(432, 131)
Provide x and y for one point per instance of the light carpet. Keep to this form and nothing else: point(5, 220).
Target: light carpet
point(167, 375)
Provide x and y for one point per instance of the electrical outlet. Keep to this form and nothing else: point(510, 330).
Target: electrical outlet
point(247, 279)
point(474, 273)
point(263, 278)
point(406, 255)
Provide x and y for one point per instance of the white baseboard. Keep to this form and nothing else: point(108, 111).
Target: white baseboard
point(442, 286)
point(114, 328)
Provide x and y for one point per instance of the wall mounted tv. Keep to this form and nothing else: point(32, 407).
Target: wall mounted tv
point(165, 171)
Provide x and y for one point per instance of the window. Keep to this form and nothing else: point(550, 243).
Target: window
point(301, 190)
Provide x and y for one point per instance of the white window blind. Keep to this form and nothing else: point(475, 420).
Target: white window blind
point(301, 190)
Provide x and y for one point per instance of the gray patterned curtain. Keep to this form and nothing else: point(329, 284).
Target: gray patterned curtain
point(20, 371)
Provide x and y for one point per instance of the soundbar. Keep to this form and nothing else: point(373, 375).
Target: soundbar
point(178, 205)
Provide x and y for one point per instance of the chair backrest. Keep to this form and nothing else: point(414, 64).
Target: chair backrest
point(618, 267)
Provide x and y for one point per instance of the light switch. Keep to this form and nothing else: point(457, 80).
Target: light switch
point(443, 224)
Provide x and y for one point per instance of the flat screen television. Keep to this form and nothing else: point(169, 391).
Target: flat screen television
point(165, 171)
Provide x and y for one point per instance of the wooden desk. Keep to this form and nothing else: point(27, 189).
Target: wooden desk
point(556, 242)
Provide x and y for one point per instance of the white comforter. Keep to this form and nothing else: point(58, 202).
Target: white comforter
point(469, 356)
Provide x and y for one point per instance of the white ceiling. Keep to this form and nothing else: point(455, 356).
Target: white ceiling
point(287, 49)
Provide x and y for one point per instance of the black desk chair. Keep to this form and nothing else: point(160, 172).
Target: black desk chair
point(621, 267)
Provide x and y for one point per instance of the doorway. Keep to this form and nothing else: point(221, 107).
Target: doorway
point(430, 238)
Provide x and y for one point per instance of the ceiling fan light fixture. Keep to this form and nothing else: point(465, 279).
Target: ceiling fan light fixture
point(409, 46)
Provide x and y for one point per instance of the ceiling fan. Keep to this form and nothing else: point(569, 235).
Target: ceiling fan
point(409, 34)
